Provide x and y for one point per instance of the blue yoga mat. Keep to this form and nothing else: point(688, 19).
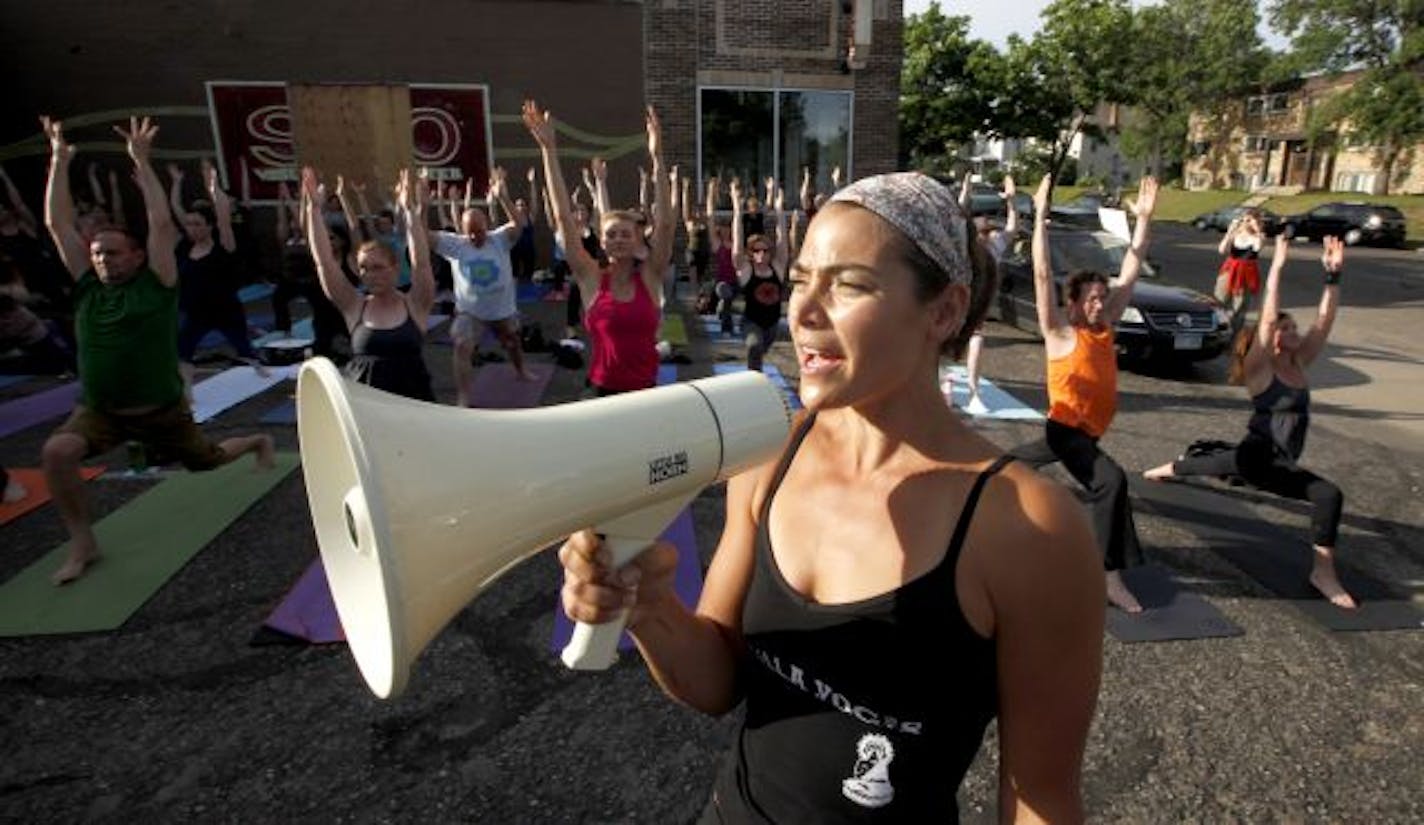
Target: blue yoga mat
point(215, 339)
point(1000, 404)
point(531, 292)
point(283, 413)
point(255, 292)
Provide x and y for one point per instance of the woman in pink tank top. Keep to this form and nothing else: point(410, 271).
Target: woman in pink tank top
point(620, 301)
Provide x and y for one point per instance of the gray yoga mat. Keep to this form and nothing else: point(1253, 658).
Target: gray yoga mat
point(1169, 612)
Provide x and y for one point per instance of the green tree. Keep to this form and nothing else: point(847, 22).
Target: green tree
point(1384, 39)
point(1080, 59)
point(948, 83)
point(1188, 55)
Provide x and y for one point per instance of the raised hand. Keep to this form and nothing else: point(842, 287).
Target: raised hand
point(1042, 197)
point(540, 125)
point(1146, 201)
point(139, 138)
point(779, 199)
point(1332, 256)
point(530, 175)
point(311, 187)
point(655, 131)
point(1009, 190)
point(836, 177)
point(600, 168)
point(214, 186)
point(735, 188)
point(60, 150)
point(406, 195)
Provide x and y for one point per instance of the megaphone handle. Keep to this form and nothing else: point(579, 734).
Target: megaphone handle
point(595, 646)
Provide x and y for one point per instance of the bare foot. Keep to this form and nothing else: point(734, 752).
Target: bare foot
point(266, 453)
point(15, 491)
point(81, 555)
point(1119, 595)
point(1161, 473)
point(1323, 579)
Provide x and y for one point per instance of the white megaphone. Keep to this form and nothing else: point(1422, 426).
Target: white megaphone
point(419, 507)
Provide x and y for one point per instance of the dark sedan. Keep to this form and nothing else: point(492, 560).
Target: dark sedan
point(1221, 219)
point(1164, 322)
point(1352, 222)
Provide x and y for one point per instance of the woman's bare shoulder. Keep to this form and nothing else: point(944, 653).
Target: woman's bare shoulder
point(1030, 525)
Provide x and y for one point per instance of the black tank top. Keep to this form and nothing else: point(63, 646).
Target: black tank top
point(761, 295)
point(1281, 415)
point(390, 359)
point(870, 711)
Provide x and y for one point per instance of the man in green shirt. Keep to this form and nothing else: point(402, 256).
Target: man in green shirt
point(126, 324)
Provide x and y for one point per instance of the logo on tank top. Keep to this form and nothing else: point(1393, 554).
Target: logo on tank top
point(869, 782)
point(767, 293)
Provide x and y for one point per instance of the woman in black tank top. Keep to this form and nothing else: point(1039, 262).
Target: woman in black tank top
point(387, 326)
point(1271, 361)
point(889, 546)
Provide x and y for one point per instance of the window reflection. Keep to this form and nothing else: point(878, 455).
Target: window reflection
point(753, 134)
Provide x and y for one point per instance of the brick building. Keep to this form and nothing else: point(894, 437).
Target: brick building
point(1263, 140)
point(753, 88)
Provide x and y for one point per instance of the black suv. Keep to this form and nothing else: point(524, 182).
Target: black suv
point(1354, 223)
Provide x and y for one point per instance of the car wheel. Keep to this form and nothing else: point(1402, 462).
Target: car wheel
point(1200, 224)
point(1353, 237)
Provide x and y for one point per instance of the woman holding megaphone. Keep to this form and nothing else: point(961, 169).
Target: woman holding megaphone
point(888, 543)
point(387, 326)
point(621, 301)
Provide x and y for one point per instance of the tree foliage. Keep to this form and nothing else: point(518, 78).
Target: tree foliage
point(948, 84)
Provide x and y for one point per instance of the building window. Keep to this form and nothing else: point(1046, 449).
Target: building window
point(1257, 143)
point(1268, 104)
point(1200, 148)
point(754, 134)
point(1355, 182)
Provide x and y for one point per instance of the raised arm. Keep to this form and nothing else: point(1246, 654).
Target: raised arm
point(541, 128)
point(500, 192)
point(964, 195)
point(601, 205)
point(1333, 260)
point(1229, 236)
point(348, 212)
point(367, 217)
point(739, 247)
point(59, 203)
point(643, 190)
point(1121, 294)
point(175, 192)
point(162, 232)
point(1051, 321)
point(222, 207)
point(411, 196)
point(23, 215)
point(664, 222)
point(1270, 301)
point(1011, 220)
point(675, 191)
point(328, 269)
point(533, 177)
point(808, 199)
point(781, 254)
point(687, 204)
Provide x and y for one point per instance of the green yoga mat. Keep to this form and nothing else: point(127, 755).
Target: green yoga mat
point(144, 543)
point(674, 331)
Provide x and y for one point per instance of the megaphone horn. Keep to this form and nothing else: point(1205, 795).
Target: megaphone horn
point(419, 507)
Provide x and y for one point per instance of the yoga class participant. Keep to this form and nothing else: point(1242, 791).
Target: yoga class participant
point(126, 323)
point(855, 566)
point(621, 299)
point(387, 325)
point(484, 285)
point(1082, 383)
point(996, 241)
point(297, 279)
point(1271, 361)
point(760, 273)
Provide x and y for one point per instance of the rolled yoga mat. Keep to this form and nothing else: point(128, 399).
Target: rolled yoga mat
point(1169, 612)
point(144, 543)
point(1277, 559)
point(25, 412)
point(36, 490)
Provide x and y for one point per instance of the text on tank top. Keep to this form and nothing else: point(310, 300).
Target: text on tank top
point(845, 721)
point(1082, 386)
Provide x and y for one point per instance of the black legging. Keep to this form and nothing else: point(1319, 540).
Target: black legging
point(1105, 482)
point(1255, 460)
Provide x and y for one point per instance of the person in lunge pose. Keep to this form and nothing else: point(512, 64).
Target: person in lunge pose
point(858, 556)
point(760, 271)
point(126, 324)
point(1271, 361)
point(387, 325)
point(997, 242)
point(1082, 383)
point(621, 301)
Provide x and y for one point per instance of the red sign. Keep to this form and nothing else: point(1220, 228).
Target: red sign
point(252, 129)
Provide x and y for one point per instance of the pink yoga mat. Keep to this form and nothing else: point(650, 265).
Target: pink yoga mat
point(23, 413)
point(688, 582)
point(496, 388)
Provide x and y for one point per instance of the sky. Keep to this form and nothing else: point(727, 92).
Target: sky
point(994, 22)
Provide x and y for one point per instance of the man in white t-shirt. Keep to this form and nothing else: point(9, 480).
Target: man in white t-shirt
point(484, 286)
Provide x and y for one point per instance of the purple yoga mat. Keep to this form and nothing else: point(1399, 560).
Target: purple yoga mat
point(496, 388)
point(307, 611)
point(23, 413)
point(688, 582)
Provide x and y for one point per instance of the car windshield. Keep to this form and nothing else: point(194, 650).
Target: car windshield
point(1095, 251)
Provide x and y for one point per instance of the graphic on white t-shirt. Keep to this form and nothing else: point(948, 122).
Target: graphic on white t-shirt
point(869, 783)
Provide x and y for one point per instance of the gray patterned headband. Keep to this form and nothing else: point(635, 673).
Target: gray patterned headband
point(922, 208)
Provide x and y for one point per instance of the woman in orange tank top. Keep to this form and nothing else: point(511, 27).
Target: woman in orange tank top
point(1082, 385)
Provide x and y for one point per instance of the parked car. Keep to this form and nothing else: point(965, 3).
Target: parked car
point(1164, 322)
point(1081, 211)
point(1351, 221)
point(987, 201)
point(1221, 219)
